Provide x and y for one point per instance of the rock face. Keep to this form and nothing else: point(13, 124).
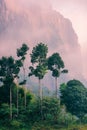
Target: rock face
point(2, 15)
point(36, 24)
point(49, 24)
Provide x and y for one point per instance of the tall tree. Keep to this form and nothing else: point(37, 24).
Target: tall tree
point(39, 63)
point(9, 70)
point(56, 65)
point(22, 52)
point(19, 64)
point(39, 66)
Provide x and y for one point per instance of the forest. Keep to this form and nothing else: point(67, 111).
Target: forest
point(21, 109)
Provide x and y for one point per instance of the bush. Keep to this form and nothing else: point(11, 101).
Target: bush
point(15, 123)
point(66, 118)
point(84, 119)
point(50, 108)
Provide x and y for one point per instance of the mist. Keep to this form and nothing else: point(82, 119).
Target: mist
point(33, 22)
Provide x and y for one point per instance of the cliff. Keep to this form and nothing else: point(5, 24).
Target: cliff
point(36, 23)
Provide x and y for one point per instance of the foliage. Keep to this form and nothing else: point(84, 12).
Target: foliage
point(39, 66)
point(34, 111)
point(66, 118)
point(22, 51)
point(39, 53)
point(47, 113)
point(8, 70)
point(56, 65)
point(38, 58)
point(84, 119)
point(50, 108)
point(74, 96)
point(16, 124)
point(4, 111)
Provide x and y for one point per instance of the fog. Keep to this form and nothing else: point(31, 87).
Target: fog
point(33, 22)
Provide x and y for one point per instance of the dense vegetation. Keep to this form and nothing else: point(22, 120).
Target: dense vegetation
point(22, 110)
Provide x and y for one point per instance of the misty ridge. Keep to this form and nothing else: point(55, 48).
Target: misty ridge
point(36, 23)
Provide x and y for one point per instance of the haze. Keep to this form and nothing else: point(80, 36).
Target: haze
point(34, 22)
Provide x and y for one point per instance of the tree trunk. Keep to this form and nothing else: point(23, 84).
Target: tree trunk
point(40, 90)
point(17, 102)
point(10, 103)
point(40, 98)
point(56, 88)
point(25, 88)
point(25, 97)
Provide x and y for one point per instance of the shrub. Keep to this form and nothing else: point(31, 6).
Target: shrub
point(15, 124)
point(84, 119)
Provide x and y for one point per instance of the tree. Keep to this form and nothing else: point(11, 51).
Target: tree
point(22, 52)
point(74, 96)
point(39, 66)
point(56, 65)
point(9, 70)
point(19, 64)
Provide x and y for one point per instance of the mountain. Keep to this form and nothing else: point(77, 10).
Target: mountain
point(33, 23)
point(2, 15)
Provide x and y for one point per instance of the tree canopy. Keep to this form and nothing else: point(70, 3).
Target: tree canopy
point(56, 66)
point(74, 96)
